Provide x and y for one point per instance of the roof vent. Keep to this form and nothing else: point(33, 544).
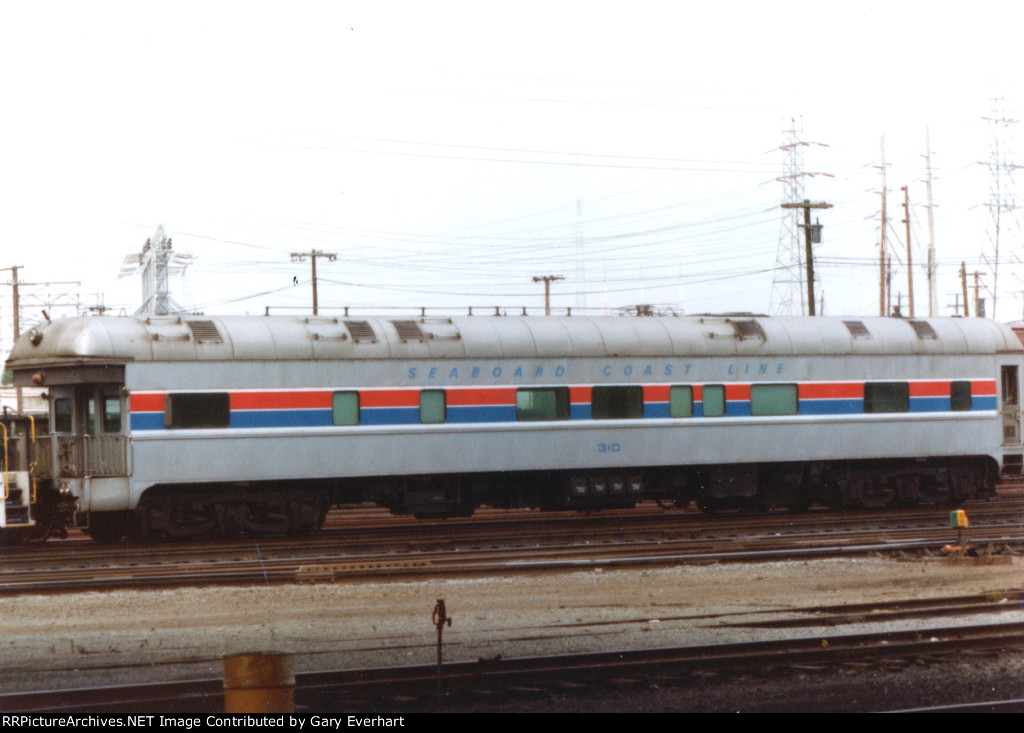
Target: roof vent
point(409, 331)
point(361, 331)
point(748, 330)
point(204, 332)
point(857, 329)
point(923, 329)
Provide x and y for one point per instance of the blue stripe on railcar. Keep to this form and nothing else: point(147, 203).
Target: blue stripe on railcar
point(281, 418)
point(832, 407)
point(389, 416)
point(481, 413)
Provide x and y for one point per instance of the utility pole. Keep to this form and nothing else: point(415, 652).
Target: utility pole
point(933, 286)
point(547, 280)
point(811, 234)
point(963, 283)
point(17, 323)
point(882, 300)
point(910, 264)
point(313, 254)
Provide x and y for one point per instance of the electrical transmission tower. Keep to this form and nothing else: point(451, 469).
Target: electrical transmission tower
point(787, 297)
point(158, 261)
point(1003, 226)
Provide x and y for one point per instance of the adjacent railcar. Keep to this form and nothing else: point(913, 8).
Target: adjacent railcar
point(192, 426)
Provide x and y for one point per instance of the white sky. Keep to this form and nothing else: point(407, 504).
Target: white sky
point(440, 148)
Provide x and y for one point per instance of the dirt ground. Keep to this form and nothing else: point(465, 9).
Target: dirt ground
point(87, 639)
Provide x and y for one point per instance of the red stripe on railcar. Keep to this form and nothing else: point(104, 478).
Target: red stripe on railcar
point(146, 402)
point(281, 400)
point(389, 398)
point(579, 395)
point(483, 396)
point(737, 393)
point(983, 387)
point(831, 391)
point(929, 389)
point(656, 392)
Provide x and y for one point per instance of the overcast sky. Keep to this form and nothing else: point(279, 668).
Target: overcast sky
point(450, 152)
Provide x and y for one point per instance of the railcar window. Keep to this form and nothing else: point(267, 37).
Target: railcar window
point(432, 406)
point(197, 410)
point(773, 399)
point(886, 397)
point(345, 408)
point(960, 396)
point(680, 401)
point(62, 415)
point(111, 414)
point(546, 403)
point(90, 416)
point(611, 403)
point(713, 400)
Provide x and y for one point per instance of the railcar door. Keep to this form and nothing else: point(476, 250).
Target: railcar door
point(1010, 406)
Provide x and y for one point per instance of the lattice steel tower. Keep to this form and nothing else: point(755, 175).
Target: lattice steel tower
point(788, 292)
point(1003, 228)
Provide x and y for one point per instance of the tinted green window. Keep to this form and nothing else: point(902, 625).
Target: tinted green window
point(198, 410)
point(610, 403)
point(960, 396)
point(773, 399)
point(432, 406)
point(887, 397)
point(345, 408)
point(547, 403)
point(111, 414)
point(680, 401)
point(62, 415)
point(714, 400)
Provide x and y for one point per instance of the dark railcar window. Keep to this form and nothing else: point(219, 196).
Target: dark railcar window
point(62, 415)
point(960, 396)
point(111, 414)
point(197, 410)
point(887, 397)
point(611, 403)
point(545, 403)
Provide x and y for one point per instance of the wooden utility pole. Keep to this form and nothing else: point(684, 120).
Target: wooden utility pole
point(313, 254)
point(17, 324)
point(910, 264)
point(933, 286)
point(808, 240)
point(882, 276)
point(547, 280)
point(963, 282)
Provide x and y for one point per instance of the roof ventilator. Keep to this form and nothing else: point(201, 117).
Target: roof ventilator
point(748, 330)
point(361, 331)
point(857, 329)
point(204, 332)
point(409, 331)
point(923, 329)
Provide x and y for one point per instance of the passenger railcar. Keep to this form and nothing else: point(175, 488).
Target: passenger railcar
point(195, 425)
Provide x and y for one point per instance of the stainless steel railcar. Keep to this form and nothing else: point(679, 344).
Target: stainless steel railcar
point(186, 426)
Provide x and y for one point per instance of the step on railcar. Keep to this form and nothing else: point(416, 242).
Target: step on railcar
point(168, 427)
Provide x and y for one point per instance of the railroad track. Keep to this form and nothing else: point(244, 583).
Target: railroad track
point(467, 685)
point(418, 550)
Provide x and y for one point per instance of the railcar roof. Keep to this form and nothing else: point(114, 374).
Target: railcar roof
point(110, 339)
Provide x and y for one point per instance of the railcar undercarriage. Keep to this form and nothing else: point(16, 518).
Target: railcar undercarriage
point(300, 507)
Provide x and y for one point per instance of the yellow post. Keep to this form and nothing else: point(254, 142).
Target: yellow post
point(259, 683)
